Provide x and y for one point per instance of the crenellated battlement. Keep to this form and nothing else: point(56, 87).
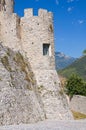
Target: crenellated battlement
point(37, 37)
point(42, 13)
point(32, 34)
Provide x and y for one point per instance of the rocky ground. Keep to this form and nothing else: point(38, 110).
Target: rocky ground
point(49, 125)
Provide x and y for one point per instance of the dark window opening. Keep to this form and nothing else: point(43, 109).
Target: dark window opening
point(46, 49)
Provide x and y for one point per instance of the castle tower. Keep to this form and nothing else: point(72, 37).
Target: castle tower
point(9, 24)
point(34, 36)
point(37, 38)
point(7, 6)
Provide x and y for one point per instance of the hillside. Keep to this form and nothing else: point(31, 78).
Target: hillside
point(63, 60)
point(78, 67)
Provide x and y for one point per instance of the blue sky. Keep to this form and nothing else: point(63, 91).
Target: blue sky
point(69, 22)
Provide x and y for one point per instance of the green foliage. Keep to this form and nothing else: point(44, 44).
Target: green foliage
point(78, 67)
point(84, 52)
point(75, 85)
point(21, 62)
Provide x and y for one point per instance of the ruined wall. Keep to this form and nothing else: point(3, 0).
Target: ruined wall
point(36, 31)
point(9, 30)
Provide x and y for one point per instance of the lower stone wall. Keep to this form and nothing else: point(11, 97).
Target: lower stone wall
point(53, 98)
point(19, 98)
point(78, 104)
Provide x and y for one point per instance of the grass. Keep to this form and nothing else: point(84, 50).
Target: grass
point(5, 62)
point(8, 52)
point(51, 28)
point(0, 79)
point(24, 67)
point(40, 88)
point(78, 115)
point(61, 92)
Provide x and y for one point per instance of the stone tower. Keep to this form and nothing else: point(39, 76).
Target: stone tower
point(9, 24)
point(34, 36)
point(37, 38)
point(7, 6)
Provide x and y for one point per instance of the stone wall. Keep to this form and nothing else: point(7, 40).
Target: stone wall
point(19, 98)
point(36, 31)
point(9, 6)
point(52, 96)
point(78, 104)
point(9, 31)
point(29, 33)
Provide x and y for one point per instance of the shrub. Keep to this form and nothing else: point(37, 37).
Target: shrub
point(75, 85)
point(21, 62)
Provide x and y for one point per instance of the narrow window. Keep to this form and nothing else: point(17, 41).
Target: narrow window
point(46, 49)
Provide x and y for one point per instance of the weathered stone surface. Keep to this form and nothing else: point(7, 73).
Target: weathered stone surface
point(19, 101)
point(78, 104)
point(53, 98)
point(22, 99)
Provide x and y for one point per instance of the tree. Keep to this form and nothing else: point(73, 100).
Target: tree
point(75, 85)
point(84, 52)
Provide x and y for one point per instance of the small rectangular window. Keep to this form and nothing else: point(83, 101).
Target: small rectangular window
point(46, 49)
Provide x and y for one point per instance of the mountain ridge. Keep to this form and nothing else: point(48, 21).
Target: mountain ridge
point(78, 67)
point(63, 60)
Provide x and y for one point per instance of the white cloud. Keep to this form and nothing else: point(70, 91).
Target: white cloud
point(70, 9)
point(68, 1)
point(57, 2)
point(81, 21)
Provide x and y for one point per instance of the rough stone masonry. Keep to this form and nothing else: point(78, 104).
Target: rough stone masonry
point(33, 37)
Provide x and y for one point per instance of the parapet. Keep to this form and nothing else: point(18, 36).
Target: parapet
point(41, 13)
point(28, 13)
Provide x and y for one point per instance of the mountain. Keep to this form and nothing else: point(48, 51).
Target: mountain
point(78, 67)
point(63, 60)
